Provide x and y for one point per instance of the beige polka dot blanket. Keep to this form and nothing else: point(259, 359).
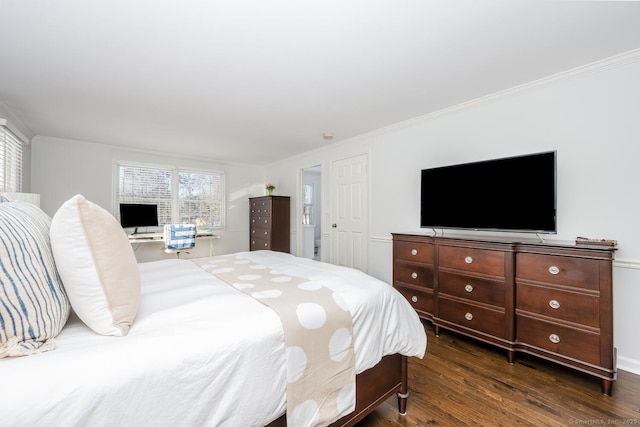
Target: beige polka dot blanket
point(318, 335)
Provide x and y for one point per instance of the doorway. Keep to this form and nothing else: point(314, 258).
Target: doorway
point(311, 209)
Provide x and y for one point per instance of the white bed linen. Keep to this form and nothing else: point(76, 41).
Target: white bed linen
point(199, 353)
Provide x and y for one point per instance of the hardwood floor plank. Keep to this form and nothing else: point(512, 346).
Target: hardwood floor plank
point(461, 382)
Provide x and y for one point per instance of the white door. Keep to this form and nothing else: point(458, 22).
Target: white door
point(350, 212)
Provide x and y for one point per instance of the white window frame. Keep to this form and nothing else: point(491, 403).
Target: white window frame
point(174, 197)
point(11, 159)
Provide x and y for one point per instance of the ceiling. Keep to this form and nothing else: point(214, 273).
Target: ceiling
point(253, 81)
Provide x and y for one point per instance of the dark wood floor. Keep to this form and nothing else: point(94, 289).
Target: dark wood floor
point(462, 382)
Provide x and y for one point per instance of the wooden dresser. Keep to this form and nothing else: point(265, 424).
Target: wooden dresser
point(269, 223)
point(552, 299)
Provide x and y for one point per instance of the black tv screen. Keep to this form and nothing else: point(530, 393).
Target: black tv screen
point(138, 215)
point(507, 194)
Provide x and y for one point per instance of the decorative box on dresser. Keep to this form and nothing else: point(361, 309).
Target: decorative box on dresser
point(269, 223)
point(549, 299)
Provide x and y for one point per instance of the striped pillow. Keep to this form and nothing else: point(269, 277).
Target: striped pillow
point(33, 304)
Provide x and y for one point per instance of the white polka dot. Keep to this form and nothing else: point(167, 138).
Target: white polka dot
point(249, 277)
point(269, 293)
point(311, 315)
point(339, 344)
point(276, 272)
point(340, 301)
point(241, 286)
point(223, 270)
point(218, 261)
point(296, 363)
point(346, 400)
point(281, 279)
point(305, 414)
point(258, 266)
point(310, 286)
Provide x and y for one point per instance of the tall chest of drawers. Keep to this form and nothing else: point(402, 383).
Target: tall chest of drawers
point(269, 223)
point(552, 300)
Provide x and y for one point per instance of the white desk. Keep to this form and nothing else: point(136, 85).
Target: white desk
point(159, 238)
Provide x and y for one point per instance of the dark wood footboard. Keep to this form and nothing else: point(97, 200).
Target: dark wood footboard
point(373, 387)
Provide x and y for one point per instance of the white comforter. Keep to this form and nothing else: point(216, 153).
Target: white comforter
point(200, 353)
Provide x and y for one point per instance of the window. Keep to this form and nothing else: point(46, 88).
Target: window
point(10, 161)
point(182, 195)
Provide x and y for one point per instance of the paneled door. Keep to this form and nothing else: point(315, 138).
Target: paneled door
point(350, 212)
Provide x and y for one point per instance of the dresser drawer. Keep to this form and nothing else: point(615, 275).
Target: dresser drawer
point(481, 319)
point(260, 222)
point(421, 301)
point(470, 259)
point(569, 306)
point(260, 207)
point(412, 251)
point(577, 272)
point(414, 274)
point(473, 288)
point(260, 233)
point(563, 340)
point(258, 244)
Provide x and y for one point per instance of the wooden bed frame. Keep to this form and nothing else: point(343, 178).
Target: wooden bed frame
point(373, 387)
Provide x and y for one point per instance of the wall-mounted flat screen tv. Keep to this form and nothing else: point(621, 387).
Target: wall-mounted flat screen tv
point(138, 215)
point(506, 194)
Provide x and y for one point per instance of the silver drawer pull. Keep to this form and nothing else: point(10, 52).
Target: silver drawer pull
point(554, 304)
point(414, 252)
point(554, 338)
point(468, 288)
point(414, 298)
point(468, 316)
point(414, 275)
point(468, 260)
point(554, 270)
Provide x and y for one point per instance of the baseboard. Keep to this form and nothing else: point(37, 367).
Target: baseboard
point(629, 365)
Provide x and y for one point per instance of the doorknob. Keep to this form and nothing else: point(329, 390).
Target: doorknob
point(334, 225)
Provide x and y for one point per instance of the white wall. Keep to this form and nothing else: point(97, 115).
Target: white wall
point(63, 168)
point(591, 116)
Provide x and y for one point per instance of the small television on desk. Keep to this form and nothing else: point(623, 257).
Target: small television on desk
point(138, 215)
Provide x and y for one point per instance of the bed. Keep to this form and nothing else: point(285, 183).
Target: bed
point(201, 353)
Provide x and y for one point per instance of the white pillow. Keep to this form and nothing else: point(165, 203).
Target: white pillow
point(97, 266)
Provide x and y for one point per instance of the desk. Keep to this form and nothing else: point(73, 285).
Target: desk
point(159, 237)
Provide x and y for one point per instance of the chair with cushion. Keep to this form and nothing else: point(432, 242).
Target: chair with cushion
point(179, 238)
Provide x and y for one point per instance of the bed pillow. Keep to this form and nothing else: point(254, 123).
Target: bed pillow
point(97, 265)
point(33, 303)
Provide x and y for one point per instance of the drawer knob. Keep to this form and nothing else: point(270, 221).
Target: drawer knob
point(468, 316)
point(414, 252)
point(554, 338)
point(554, 270)
point(468, 288)
point(414, 298)
point(266, 232)
point(265, 221)
point(253, 242)
point(414, 275)
point(554, 304)
point(468, 260)
point(265, 245)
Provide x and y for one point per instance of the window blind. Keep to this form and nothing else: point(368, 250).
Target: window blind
point(10, 161)
point(182, 195)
